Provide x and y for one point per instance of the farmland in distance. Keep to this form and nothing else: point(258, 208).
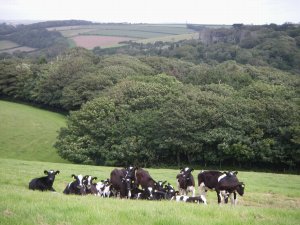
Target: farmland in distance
point(110, 35)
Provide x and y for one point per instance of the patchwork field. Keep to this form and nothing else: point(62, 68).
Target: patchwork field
point(93, 41)
point(10, 47)
point(90, 36)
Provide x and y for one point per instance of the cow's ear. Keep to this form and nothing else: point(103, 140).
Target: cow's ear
point(235, 173)
point(102, 181)
point(73, 175)
point(46, 172)
point(57, 172)
point(164, 182)
point(94, 178)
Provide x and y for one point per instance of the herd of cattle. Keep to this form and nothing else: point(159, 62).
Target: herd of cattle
point(136, 183)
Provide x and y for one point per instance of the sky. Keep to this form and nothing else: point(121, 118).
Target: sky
point(155, 11)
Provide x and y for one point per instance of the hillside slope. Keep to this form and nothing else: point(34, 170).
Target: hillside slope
point(28, 133)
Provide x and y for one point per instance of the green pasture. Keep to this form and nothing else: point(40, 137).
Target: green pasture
point(27, 136)
point(269, 199)
point(28, 133)
point(171, 38)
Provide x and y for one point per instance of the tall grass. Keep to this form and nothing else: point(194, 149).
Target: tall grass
point(269, 199)
point(28, 133)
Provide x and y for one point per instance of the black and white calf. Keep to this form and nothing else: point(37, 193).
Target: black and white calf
point(185, 181)
point(44, 183)
point(103, 188)
point(224, 183)
point(170, 191)
point(90, 187)
point(230, 185)
point(185, 198)
point(76, 187)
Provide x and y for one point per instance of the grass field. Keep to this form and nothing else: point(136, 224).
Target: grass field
point(28, 133)
point(268, 199)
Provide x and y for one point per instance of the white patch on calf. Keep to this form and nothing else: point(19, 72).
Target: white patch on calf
point(221, 177)
point(150, 189)
point(181, 198)
point(106, 191)
point(80, 177)
point(186, 169)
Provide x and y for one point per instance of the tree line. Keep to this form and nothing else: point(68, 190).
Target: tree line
point(153, 111)
point(262, 45)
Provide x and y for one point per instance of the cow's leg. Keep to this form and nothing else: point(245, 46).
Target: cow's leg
point(192, 189)
point(219, 195)
point(235, 199)
point(202, 192)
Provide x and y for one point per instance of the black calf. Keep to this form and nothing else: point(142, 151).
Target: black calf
point(44, 183)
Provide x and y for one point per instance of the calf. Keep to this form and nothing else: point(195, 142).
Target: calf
point(44, 183)
point(89, 186)
point(210, 180)
point(122, 181)
point(151, 188)
point(103, 188)
point(185, 181)
point(76, 187)
point(230, 185)
point(170, 191)
point(185, 198)
point(144, 179)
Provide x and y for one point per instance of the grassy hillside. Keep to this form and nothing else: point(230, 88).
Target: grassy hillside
point(28, 133)
point(269, 199)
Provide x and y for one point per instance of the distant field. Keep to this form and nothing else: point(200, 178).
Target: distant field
point(28, 133)
point(10, 47)
point(172, 38)
point(90, 36)
point(269, 199)
point(5, 44)
point(90, 42)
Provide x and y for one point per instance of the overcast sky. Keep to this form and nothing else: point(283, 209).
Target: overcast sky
point(155, 11)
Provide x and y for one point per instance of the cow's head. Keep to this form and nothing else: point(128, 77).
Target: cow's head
point(79, 183)
point(51, 175)
point(240, 188)
point(159, 185)
point(184, 176)
point(170, 190)
point(130, 172)
point(88, 181)
point(129, 182)
point(231, 173)
point(186, 170)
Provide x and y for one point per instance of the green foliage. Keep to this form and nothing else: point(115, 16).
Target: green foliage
point(155, 110)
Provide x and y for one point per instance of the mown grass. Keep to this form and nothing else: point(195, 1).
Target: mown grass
point(28, 133)
point(269, 199)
